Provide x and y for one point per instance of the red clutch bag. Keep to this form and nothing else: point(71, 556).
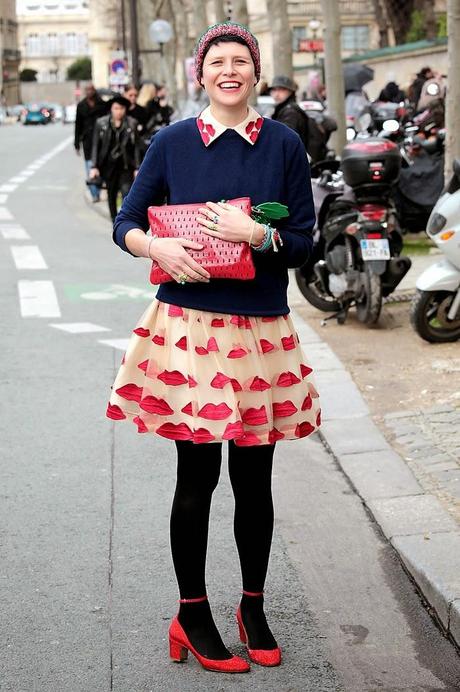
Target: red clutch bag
point(221, 258)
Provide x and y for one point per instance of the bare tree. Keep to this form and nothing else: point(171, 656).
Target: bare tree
point(219, 11)
point(453, 87)
point(200, 17)
point(240, 12)
point(382, 22)
point(281, 37)
point(400, 15)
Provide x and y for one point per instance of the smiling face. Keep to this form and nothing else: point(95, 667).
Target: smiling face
point(228, 74)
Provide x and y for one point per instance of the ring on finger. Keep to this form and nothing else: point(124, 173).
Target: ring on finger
point(213, 227)
point(215, 218)
point(182, 278)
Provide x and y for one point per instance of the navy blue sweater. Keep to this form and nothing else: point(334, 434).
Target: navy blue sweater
point(180, 169)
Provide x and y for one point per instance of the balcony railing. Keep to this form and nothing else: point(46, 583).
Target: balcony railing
point(312, 8)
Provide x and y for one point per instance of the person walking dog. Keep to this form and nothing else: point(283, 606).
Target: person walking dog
point(214, 360)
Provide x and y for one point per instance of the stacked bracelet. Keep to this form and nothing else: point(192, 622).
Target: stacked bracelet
point(271, 238)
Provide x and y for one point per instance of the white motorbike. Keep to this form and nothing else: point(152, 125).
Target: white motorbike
point(435, 313)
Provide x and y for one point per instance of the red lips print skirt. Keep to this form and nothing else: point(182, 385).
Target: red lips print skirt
point(207, 377)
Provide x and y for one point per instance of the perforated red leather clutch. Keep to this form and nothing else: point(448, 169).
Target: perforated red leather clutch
point(221, 258)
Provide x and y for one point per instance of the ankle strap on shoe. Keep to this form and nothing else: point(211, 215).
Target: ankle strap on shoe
point(252, 593)
point(193, 600)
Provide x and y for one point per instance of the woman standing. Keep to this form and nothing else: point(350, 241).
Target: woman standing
point(220, 360)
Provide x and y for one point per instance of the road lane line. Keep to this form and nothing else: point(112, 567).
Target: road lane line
point(13, 232)
point(80, 327)
point(5, 214)
point(8, 188)
point(28, 257)
point(3, 199)
point(38, 299)
point(18, 179)
point(119, 344)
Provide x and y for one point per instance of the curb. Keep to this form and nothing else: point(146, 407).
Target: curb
point(100, 208)
point(425, 537)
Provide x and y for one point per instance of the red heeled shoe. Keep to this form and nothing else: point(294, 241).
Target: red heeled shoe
point(179, 646)
point(263, 657)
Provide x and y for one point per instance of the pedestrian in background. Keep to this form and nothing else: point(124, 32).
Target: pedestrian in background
point(135, 110)
point(159, 112)
point(215, 360)
point(287, 110)
point(89, 110)
point(115, 152)
point(416, 87)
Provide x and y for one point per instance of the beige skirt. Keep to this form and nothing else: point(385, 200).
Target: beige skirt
point(207, 377)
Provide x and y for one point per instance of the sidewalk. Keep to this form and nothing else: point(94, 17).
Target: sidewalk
point(425, 536)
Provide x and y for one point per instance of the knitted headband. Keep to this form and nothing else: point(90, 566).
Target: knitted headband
point(226, 29)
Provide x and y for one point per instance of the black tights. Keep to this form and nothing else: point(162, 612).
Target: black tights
point(198, 470)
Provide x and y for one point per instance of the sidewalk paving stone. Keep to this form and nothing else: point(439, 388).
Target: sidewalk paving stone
point(408, 515)
point(434, 562)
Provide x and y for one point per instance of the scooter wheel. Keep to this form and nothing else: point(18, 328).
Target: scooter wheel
point(314, 294)
point(429, 317)
point(369, 305)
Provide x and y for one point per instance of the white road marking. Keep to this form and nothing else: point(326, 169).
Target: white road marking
point(38, 299)
point(28, 257)
point(13, 232)
point(18, 179)
point(80, 327)
point(8, 188)
point(5, 214)
point(53, 188)
point(119, 344)
point(3, 199)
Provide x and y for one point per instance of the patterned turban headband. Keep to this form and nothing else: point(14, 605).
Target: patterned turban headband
point(226, 29)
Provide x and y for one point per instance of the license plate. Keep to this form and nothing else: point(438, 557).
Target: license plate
point(375, 249)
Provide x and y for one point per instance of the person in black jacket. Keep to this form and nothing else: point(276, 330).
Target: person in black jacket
point(115, 151)
point(89, 110)
point(287, 110)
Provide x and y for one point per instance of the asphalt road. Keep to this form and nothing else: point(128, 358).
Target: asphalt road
point(86, 582)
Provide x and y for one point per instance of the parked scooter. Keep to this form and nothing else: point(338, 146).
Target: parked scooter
point(356, 258)
point(435, 313)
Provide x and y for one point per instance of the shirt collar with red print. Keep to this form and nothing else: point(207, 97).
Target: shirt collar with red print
point(210, 129)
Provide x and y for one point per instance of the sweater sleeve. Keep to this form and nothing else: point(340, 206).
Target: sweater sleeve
point(149, 188)
point(297, 229)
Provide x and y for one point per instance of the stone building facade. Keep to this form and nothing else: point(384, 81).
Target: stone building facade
point(9, 54)
point(52, 35)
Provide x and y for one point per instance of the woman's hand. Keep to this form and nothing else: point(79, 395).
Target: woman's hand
point(227, 222)
point(173, 258)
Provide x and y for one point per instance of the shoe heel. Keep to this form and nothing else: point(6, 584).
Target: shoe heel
point(177, 652)
point(243, 637)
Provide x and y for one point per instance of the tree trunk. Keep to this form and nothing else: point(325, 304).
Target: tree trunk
point(399, 14)
point(281, 37)
point(200, 18)
point(453, 85)
point(240, 12)
point(427, 7)
point(219, 11)
point(335, 89)
point(380, 16)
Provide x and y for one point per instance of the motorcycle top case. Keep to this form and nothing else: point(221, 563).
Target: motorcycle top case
point(371, 161)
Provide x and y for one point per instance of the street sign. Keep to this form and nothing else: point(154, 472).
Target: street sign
point(118, 71)
point(311, 45)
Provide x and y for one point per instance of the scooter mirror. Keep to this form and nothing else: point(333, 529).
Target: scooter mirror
point(456, 168)
point(390, 125)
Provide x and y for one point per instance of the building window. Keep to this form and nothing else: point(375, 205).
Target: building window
point(355, 38)
point(33, 44)
point(70, 44)
point(53, 44)
point(298, 32)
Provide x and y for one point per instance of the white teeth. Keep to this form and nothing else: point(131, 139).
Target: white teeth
point(229, 85)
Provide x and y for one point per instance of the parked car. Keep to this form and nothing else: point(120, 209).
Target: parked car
point(36, 114)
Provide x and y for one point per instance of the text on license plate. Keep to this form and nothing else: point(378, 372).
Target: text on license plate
point(375, 249)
